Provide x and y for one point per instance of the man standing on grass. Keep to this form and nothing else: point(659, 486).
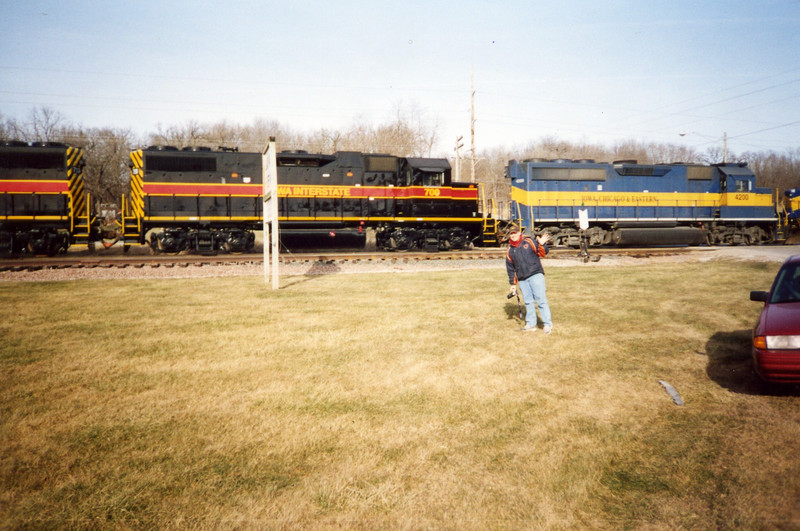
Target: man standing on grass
point(524, 267)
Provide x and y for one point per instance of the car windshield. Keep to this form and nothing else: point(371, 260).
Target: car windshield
point(787, 285)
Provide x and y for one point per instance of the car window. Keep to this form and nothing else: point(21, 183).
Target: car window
point(787, 285)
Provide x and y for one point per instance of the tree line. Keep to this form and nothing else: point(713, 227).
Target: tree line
point(107, 175)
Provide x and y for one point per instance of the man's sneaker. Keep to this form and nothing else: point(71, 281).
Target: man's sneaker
point(548, 329)
point(529, 328)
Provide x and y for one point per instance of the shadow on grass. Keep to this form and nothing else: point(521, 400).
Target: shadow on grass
point(317, 269)
point(515, 311)
point(730, 365)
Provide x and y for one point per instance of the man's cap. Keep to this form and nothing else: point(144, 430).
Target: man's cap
point(513, 228)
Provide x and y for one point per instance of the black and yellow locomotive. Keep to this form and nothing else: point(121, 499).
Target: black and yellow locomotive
point(211, 200)
point(44, 208)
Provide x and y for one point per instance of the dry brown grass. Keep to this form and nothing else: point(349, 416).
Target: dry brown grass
point(401, 401)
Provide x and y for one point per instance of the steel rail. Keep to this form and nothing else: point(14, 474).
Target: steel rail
point(98, 260)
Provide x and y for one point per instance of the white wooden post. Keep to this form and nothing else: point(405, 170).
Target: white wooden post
point(269, 178)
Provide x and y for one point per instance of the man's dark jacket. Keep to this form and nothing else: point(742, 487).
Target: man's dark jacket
point(523, 261)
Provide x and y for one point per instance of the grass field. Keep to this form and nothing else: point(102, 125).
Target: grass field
point(393, 400)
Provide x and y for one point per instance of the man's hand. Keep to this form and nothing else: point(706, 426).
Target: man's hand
point(513, 290)
point(544, 238)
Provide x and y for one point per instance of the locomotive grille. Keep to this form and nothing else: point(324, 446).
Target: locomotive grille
point(178, 163)
point(698, 173)
point(381, 164)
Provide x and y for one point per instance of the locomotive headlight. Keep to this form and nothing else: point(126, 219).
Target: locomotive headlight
point(783, 342)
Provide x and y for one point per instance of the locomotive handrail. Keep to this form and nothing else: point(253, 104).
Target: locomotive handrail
point(659, 207)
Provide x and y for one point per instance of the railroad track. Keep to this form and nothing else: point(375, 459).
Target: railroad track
point(84, 259)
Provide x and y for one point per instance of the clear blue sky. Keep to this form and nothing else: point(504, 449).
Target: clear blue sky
point(577, 70)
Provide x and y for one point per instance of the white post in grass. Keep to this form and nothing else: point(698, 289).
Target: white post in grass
point(269, 178)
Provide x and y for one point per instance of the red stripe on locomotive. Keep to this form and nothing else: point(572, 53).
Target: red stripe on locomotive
point(355, 192)
point(201, 189)
point(34, 187)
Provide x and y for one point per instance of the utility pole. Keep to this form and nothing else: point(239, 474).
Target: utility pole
point(472, 119)
point(725, 147)
point(459, 145)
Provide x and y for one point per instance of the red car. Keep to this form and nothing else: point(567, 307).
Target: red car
point(776, 337)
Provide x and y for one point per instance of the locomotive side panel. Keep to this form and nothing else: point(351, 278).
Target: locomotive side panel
point(205, 187)
point(315, 188)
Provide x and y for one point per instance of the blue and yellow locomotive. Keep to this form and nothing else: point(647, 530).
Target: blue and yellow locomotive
point(630, 204)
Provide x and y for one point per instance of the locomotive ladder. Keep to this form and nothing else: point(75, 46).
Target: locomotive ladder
point(82, 221)
point(131, 230)
point(489, 236)
point(489, 232)
point(79, 199)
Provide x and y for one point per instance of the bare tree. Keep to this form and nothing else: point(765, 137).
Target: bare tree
point(46, 124)
point(256, 136)
point(190, 134)
point(14, 130)
point(5, 133)
point(106, 171)
point(774, 170)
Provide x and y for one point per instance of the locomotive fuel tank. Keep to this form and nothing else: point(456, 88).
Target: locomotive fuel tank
point(654, 236)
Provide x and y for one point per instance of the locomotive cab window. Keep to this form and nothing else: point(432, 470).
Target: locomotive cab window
point(427, 178)
point(742, 185)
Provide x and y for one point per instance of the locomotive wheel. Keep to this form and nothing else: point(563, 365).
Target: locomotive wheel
point(399, 245)
point(400, 241)
point(58, 248)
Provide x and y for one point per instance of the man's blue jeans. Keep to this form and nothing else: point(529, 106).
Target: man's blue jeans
point(535, 295)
